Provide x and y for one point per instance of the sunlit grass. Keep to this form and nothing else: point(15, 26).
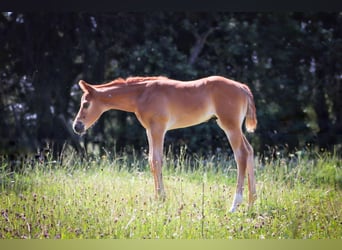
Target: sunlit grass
point(113, 197)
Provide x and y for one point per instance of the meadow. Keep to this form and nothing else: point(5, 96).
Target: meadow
point(112, 196)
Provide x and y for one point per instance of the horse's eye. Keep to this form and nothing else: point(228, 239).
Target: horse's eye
point(86, 105)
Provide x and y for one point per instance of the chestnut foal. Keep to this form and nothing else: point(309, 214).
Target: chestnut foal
point(162, 104)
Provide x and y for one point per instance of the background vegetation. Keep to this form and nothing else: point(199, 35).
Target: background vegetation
point(290, 60)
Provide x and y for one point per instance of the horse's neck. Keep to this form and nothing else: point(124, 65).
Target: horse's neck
point(121, 97)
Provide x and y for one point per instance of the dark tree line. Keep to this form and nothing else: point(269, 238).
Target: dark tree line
point(291, 61)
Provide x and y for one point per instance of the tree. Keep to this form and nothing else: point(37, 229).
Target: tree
point(290, 61)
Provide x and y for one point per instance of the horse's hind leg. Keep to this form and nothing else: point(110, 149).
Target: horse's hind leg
point(251, 177)
point(243, 154)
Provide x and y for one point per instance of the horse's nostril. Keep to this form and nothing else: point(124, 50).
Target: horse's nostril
point(79, 127)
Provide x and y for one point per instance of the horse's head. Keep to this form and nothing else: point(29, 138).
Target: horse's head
point(90, 110)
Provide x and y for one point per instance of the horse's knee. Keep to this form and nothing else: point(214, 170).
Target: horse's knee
point(155, 163)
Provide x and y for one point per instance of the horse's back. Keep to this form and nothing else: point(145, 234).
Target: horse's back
point(183, 104)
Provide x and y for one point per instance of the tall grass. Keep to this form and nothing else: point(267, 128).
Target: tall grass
point(112, 196)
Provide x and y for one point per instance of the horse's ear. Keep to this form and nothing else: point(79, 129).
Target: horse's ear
point(85, 86)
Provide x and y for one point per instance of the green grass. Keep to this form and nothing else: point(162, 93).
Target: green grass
point(299, 197)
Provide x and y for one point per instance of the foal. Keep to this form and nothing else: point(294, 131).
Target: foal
point(162, 104)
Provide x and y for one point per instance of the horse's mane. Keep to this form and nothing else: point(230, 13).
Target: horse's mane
point(131, 79)
point(134, 79)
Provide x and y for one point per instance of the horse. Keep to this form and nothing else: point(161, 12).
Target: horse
point(161, 104)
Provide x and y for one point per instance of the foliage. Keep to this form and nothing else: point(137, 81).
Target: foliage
point(290, 61)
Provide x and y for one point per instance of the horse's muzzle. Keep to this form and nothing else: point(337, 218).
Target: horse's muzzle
point(79, 127)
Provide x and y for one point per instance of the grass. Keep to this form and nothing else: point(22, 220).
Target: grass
point(300, 197)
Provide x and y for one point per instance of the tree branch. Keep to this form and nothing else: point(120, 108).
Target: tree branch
point(200, 41)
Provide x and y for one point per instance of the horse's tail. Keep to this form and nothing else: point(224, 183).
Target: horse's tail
point(251, 119)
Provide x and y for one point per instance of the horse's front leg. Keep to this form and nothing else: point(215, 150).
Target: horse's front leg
point(156, 140)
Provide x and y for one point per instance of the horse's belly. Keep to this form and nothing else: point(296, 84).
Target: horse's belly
point(189, 117)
